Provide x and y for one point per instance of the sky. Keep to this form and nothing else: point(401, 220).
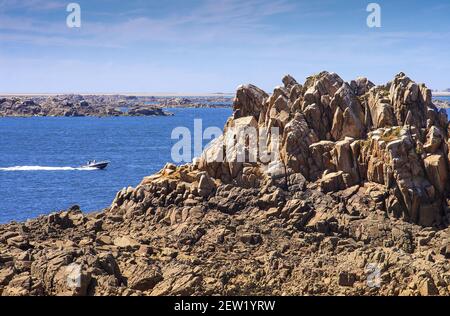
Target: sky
point(207, 46)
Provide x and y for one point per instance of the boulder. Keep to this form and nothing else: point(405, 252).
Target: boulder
point(435, 138)
point(249, 101)
point(446, 250)
point(409, 102)
point(125, 242)
point(71, 280)
point(6, 275)
point(338, 123)
point(427, 287)
point(361, 85)
point(289, 81)
point(206, 185)
point(342, 158)
point(20, 285)
point(436, 169)
point(143, 278)
point(20, 242)
point(332, 182)
point(380, 109)
point(251, 238)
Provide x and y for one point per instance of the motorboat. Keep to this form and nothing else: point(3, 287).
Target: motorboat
point(96, 164)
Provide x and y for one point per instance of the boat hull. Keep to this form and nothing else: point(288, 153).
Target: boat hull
point(100, 166)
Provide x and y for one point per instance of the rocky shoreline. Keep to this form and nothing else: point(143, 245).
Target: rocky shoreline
point(102, 105)
point(361, 206)
point(190, 102)
point(442, 104)
point(76, 106)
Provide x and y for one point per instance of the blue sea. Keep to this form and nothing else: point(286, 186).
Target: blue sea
point(443, 98)
point(40, 158)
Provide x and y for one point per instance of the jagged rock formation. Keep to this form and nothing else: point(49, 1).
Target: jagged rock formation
point(339, 135)
point(357, 203)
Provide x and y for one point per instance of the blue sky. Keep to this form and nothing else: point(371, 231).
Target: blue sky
point(215, 45)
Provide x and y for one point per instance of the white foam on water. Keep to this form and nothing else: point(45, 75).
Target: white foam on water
point(41, 168)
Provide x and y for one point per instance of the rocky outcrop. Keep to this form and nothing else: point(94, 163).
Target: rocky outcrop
point(249, 101)
point(218, 100)
point(354, 200)
point(76, 105)
point(239, 241)
point(341, 135)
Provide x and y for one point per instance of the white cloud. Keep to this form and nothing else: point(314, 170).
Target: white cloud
point(31, 5)
point(238, 39)
point(214, 18)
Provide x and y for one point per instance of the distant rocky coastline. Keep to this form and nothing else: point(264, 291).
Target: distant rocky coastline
point(442, 104)
point(357, 203)
point(102, 105)
point(190, 102)
point(76, 106)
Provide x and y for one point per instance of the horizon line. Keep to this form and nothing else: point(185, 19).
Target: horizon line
point(137, 94)
point(149, 94)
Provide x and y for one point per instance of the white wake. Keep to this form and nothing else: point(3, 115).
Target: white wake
point(41, 168)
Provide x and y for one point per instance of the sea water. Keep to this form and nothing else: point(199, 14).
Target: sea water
point(447, 98)
point(40, 158)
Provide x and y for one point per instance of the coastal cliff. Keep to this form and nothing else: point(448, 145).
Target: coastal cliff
point(357, 203)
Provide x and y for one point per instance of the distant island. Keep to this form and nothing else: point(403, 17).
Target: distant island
point(442, 104)
point(445, 93)
point(76, 105)
point(216, 100)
